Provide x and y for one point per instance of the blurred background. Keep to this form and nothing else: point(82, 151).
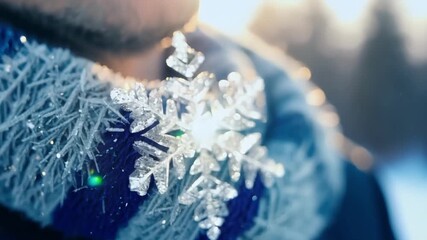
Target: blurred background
point(369, 59)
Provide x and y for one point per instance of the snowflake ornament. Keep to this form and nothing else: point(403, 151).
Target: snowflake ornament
point(198, 122)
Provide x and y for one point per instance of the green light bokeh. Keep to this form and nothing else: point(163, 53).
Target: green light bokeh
point(95, 180)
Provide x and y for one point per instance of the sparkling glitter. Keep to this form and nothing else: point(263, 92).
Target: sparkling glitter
point(209, 131)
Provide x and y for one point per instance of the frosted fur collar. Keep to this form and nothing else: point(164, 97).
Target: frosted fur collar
point(55, 107)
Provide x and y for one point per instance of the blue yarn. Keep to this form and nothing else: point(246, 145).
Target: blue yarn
point(98, 212)
point(9, 39)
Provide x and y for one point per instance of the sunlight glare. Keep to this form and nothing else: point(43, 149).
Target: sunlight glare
point(348, 11)
point(231, 17)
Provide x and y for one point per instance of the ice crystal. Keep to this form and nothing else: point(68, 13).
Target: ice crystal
point(158, 148)
point(198, 122)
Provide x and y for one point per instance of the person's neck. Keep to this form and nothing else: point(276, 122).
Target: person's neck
point(141, 65)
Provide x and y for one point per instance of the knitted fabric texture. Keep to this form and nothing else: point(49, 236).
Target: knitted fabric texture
point(54, 113)
point(109, 207)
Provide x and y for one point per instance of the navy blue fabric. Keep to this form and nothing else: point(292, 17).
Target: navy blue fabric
point(98, 212)
point(82, 212)
point(362, 213)
point(9, 40)
point(15, 226)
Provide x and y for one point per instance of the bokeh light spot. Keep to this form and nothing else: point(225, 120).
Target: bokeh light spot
point(95, 180)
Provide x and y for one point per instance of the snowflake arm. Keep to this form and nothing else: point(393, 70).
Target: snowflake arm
point(218, 124)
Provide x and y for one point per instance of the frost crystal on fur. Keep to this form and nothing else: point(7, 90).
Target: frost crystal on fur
point(53, 110)
point(201, 123)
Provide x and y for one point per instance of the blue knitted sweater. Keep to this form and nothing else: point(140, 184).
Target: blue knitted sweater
point(54, 112)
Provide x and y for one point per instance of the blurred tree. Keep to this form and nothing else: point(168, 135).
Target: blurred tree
point(330, 66)
point(378, 93)
point(383, 96)
point(420, 108)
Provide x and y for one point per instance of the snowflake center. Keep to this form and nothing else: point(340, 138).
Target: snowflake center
point(204, 130)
